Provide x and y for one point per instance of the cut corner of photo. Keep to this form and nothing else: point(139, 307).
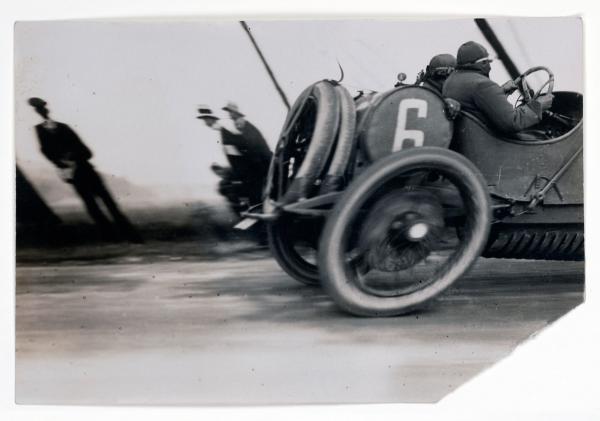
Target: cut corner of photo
point(204, 207)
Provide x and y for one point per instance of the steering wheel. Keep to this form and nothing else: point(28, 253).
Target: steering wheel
point(521, 82)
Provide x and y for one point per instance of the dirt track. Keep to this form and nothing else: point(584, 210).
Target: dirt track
point(237, 330)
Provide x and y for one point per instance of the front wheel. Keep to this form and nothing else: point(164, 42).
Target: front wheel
point(389, 246)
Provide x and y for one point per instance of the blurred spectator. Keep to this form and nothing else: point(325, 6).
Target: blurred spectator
point(248, 155)
point(63, 147)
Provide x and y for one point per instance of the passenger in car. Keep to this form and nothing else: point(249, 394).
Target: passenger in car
point(479, 95)
point(436, 73)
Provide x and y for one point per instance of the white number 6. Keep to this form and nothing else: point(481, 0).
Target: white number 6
point(402, 134)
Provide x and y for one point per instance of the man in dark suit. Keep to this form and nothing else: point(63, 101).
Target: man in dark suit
point(63, 147)
point(254, 149)
point(248, 155)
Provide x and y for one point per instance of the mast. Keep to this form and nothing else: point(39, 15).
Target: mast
point(491, 37)
point(267, 67)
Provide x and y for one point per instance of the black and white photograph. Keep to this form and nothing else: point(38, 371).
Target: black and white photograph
point(290, 212)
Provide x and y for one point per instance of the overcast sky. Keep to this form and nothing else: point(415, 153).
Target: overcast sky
point(130, 88)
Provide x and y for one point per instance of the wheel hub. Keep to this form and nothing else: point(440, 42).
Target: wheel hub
point(397, 230)
point(417, 231)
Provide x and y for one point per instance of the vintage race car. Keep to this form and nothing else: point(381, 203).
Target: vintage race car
point(387, 199)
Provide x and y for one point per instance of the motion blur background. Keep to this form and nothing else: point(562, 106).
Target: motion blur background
point(130, 88)
point(89, 318)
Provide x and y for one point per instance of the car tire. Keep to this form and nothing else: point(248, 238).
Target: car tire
point(341, 281)
point(282, 244)
point(323, 97)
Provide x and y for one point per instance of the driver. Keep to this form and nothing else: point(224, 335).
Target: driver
point(478, 94)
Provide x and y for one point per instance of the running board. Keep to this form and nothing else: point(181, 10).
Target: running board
point(271, 211)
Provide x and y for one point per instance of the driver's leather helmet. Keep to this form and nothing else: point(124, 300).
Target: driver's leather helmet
point(441, 66)
point(470, 52)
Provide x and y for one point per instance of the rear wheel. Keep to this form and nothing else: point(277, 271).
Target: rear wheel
point(390, 244)
point(293, 243)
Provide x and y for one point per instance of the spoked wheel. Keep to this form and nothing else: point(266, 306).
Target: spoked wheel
point(390, 244)
point(300, 158)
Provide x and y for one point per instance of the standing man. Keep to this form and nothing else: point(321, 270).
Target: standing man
point(478, 94)
point(248, 155)
point(63, 147)
point(254, 147)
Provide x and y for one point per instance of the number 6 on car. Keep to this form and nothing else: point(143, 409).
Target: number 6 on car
point(402, 133)
point(401, 119)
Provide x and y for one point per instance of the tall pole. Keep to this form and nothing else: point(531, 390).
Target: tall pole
point(264, 61)
point(491, 37)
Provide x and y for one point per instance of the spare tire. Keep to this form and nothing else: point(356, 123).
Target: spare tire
point(301, 156)
point(335, 178)
point(305, 144)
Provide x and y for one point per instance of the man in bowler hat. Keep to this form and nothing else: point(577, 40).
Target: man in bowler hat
point(63, 147)
point(248, 155)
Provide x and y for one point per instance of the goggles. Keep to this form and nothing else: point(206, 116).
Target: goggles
point(484, 60)
point(442, 71)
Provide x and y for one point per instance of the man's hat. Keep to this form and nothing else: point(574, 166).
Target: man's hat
point(471, 52)
point(442, 61)
point(205, 112)
point(36, 102)
point(233, 108)
point(441, 66)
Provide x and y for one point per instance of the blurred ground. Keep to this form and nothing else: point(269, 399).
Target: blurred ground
point(193, 322)
point(204, 222)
